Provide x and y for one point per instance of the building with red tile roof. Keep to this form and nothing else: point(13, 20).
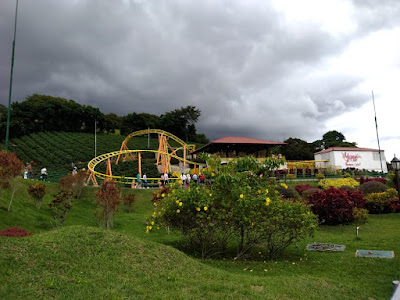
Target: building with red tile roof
point(231, 146)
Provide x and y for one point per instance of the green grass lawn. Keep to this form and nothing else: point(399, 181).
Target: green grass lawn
point(82, 261)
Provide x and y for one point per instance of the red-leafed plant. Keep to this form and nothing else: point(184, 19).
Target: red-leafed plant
point(335, 206)
point(10, 167)
point(300, 188)
point(73, 183)
point(108, 199)
point(15, 232)
point(37, 192)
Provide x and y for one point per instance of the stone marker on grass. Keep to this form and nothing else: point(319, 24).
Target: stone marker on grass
point(324, 247)
point(375, 253)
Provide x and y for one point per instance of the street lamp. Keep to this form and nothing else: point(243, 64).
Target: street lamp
point(396, 167)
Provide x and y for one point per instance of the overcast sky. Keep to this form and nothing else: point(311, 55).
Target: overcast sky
point(261, 69)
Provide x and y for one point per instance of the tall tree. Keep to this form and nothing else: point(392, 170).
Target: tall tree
point(297, 149)
point(181, 122)
point(335, 138)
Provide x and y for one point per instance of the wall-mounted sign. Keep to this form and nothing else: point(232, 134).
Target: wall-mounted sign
point(351, 160)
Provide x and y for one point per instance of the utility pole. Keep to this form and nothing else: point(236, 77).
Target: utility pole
point(377, 136)
point(11, 77)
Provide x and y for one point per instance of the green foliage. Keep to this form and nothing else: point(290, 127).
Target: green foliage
point(319, 176)
point(108, 199)
point(360, 215)
point(60, 205)
point(297, 149)
point(37, 191)
point(372, 187)
point(239, 208)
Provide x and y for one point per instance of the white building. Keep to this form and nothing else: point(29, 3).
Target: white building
point(351, 157)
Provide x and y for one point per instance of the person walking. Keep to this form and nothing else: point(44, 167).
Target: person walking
point(43, 173)
point(145, 181)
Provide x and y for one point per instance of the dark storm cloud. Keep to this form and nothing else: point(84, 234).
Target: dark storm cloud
point(249, 71)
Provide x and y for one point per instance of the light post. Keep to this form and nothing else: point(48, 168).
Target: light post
point(11, 77)
point(396, 167)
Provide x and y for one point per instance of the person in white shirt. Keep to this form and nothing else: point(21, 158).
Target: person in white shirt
point(188, 178)
point(166, 178)
point(145, 181)
point(43, 173)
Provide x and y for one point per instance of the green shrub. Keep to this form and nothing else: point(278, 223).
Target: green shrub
point(346, 175)
point(288, 192)
point(239, 209)
point(320, 176)
point(372, 187)
point(360, 215)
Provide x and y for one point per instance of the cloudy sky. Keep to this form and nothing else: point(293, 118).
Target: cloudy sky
point(264, 69)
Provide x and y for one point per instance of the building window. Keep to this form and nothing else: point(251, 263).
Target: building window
point(376, 156)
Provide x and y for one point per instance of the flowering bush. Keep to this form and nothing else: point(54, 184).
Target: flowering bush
point(372, 187)
point(15, 232)
point(306, 194)
point(385, 202)
point(242, 209)
point(337, 183)
point(335, 206)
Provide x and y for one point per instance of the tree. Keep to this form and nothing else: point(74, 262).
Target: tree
point(181, 122)
point(10, 168)
point(334, 138)
point(297, 149)
point(112, 122)
point(135, 122)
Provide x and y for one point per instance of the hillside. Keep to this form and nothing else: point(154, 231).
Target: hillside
point(59, 151)
point(81, 261)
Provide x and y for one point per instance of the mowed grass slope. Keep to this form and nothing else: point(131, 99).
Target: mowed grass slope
point(82, 261)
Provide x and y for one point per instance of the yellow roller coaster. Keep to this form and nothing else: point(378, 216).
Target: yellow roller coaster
point(164, 154)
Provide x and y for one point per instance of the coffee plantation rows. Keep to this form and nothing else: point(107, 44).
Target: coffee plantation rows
point(59, 151)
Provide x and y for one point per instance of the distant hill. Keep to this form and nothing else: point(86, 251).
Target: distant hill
point(60, 151)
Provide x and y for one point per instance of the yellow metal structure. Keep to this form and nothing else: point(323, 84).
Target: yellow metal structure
point(108, 156)
point(164, 148)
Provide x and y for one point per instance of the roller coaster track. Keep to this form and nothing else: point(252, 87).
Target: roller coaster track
point(101, 158)
point(189, 147)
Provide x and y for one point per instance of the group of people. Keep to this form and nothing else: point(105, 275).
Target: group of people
point(28, 172)
point(187, 179)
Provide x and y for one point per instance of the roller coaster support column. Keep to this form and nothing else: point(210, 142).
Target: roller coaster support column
point(109, 172)
point(184, 155)
point(140, 163)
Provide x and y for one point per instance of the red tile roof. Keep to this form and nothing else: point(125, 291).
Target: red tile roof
point(244, 140)
point(347, 149)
